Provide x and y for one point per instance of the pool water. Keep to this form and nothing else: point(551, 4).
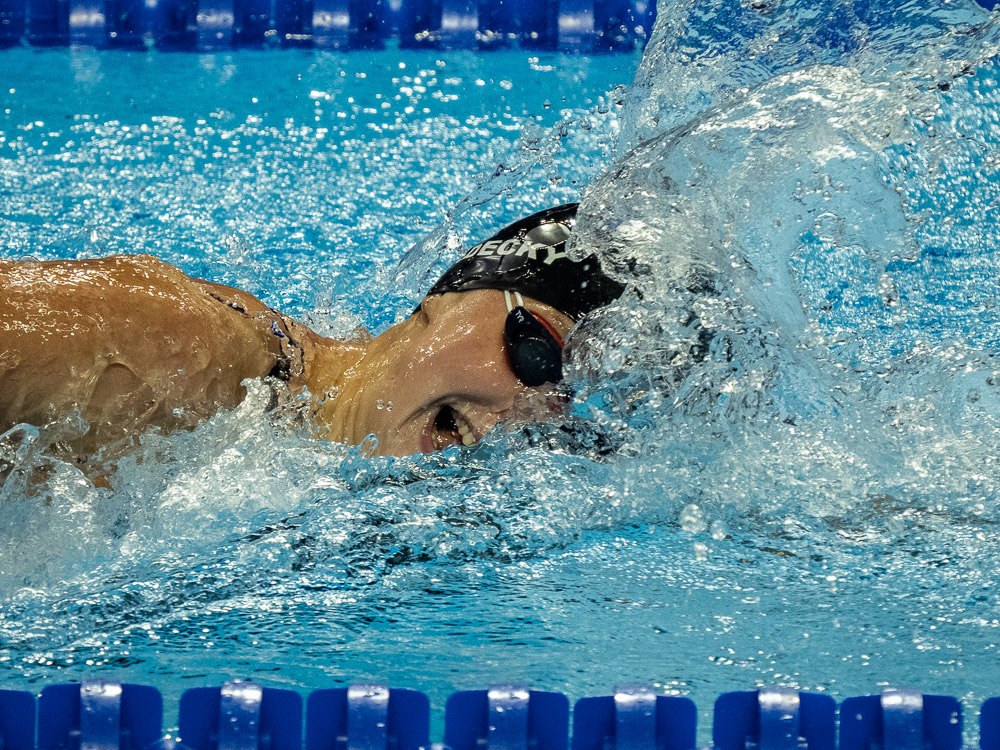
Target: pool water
point(781, 461)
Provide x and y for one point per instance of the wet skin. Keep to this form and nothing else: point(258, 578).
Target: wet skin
point(440, 373)
point(131, 343)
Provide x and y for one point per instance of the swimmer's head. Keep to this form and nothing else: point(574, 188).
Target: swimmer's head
point(488, 336)
point(530, 257)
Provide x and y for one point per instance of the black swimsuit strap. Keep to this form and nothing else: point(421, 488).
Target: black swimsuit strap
point(290, 357)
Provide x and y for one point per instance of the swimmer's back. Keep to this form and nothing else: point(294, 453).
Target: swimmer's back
point(129, 342)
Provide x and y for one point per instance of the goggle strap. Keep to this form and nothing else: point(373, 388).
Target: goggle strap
point(517, 296)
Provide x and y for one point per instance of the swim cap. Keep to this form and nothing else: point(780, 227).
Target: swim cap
point(530, 257)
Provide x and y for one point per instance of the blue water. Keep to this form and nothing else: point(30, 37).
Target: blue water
point(781, 466)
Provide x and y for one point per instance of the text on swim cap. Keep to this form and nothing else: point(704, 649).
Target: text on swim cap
point(548, 254)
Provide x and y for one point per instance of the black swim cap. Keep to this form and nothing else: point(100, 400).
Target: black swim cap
point(530, 257)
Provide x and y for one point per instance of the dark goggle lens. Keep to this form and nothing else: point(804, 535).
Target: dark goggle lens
point(534, 354)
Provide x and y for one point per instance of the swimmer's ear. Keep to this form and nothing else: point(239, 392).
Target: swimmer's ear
point(418, 312)
point(361, 335)
point(428, 302)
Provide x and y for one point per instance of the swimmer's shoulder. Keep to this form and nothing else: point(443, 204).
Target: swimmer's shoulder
point(127, 297)
point(151, 283)
point(134, 270)
point(139, 298)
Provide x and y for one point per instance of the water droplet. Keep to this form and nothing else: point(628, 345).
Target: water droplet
point(692, 519)
point(718, 530)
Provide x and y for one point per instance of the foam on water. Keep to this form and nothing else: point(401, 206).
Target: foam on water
point(823, 237)
point(780, 464)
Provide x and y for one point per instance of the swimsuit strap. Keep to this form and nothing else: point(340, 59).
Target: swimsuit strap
point(291, 361)
point(291, 356)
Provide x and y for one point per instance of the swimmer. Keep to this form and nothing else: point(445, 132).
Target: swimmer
point(130, 342)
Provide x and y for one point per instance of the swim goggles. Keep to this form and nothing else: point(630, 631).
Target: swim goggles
point(533, 351)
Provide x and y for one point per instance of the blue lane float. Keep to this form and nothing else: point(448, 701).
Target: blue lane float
point(420, 24)
point(13, 14)
point(239, 716)
point(459, 23)
point(17, 720)
point(506, 716)
point(571, 26)
point(634, 718)
point(989, 725)
point(331, 24)
point(98, 714)
point(126, 23)
point(244, 715)
point(49, 22)
point(900, 719)
point(776, 718)
point(367, 715)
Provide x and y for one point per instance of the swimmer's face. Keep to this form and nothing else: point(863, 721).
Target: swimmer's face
point(442, 377)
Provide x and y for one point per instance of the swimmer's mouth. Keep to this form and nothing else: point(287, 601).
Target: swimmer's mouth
point(451, 428)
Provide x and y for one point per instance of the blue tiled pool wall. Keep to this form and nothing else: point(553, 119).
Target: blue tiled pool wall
point(565, 25)
point(241, 715)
